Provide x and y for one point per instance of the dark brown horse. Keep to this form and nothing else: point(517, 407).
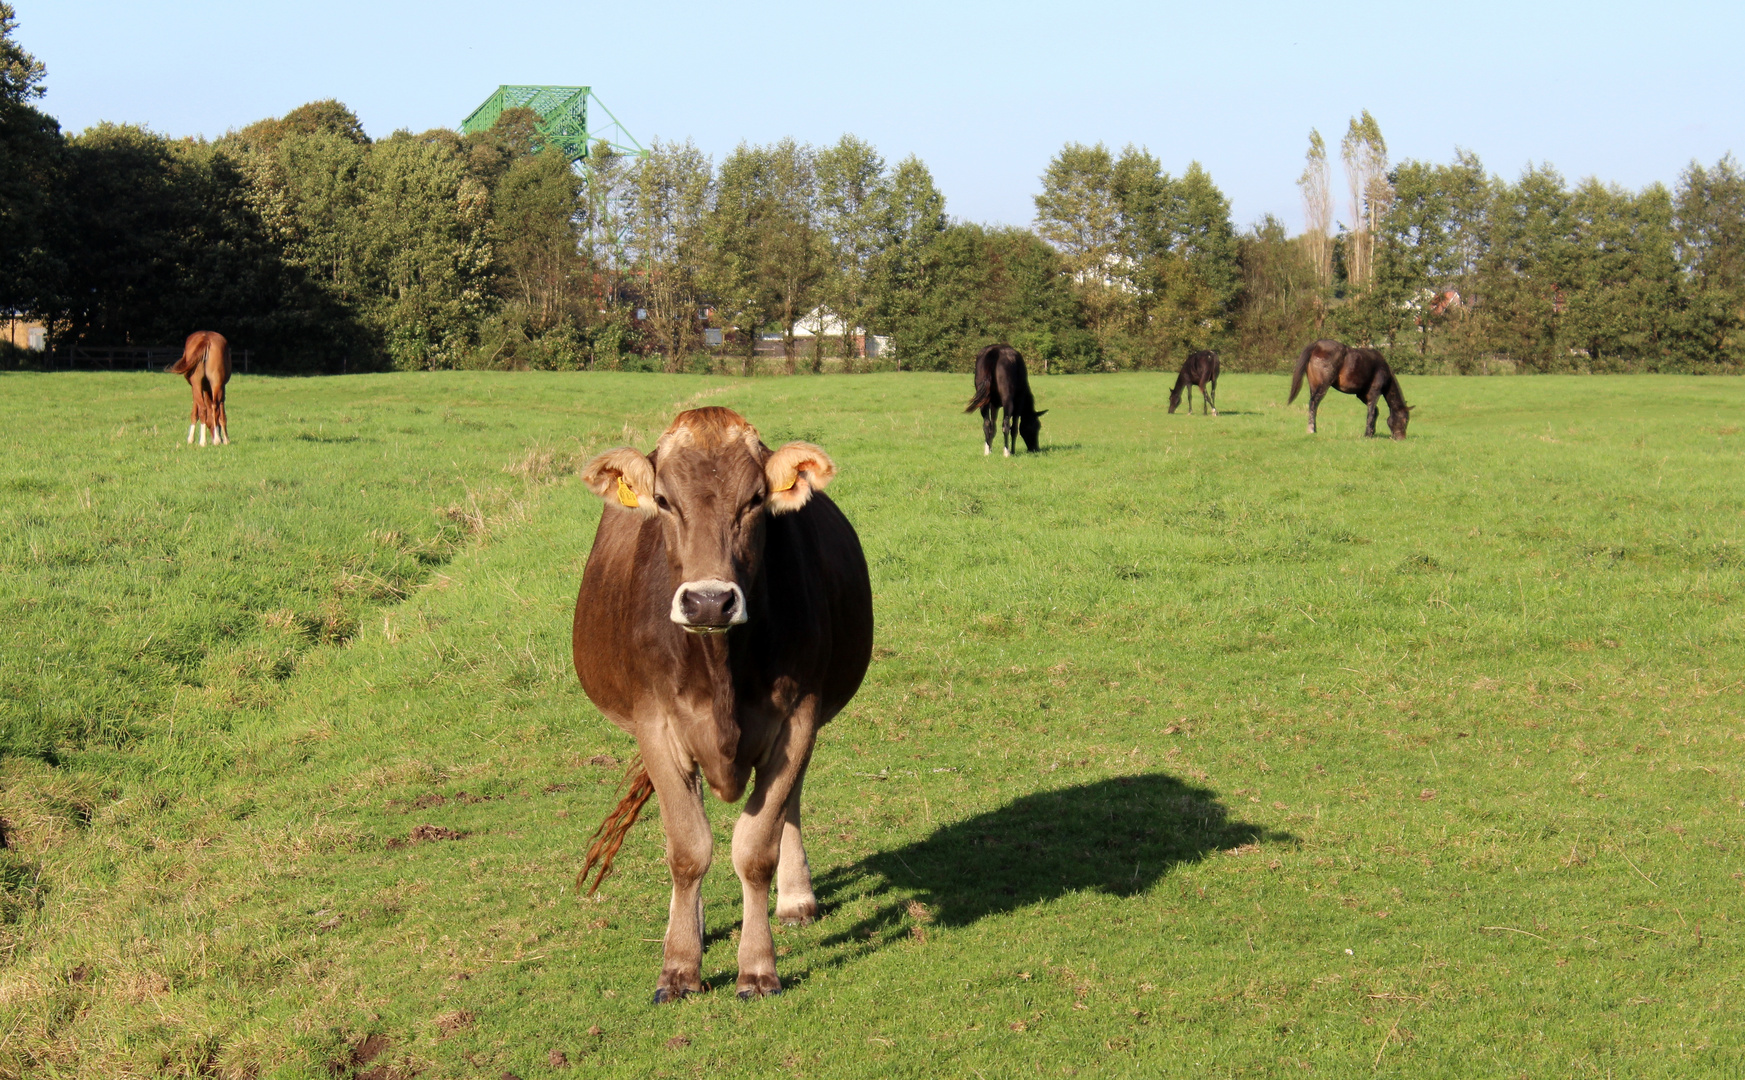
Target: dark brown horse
point(1363, 372)
point(1199, 369)
point(205, 363)
point(1002, 382)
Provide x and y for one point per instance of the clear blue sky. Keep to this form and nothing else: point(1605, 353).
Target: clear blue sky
point(985, 93)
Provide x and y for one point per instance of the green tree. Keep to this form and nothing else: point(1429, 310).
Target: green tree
point(672, 190)
point(1280, 302)
point(30, 157)
point(1428, 242)
point(1081, 212)
point(1709, 216)
point(1527, 269)
point(853, 197)
point(912, 223)
point(424, 260)
point(1625, 287)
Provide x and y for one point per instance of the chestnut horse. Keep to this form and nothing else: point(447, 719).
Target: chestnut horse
point(206, 364)
point(1363, 372)
point(1199, 369)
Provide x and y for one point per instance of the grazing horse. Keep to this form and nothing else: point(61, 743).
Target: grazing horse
point(1002, 382)
point(206, 364)
point(1363, 372)
point(1199, 369)
point(725, 616)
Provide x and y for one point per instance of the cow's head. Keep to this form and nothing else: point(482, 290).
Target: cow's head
point(709, 483)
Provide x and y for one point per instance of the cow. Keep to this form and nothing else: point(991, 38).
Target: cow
point(1002, 382)
point(205, 363)
point(1199, 369)
point(725, 615)
point(1364, 372)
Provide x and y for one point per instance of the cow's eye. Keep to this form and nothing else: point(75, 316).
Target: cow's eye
point(755, 501)
point(660, 501)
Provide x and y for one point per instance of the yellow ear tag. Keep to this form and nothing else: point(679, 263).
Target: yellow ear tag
point(790, 484)
point(626, 497)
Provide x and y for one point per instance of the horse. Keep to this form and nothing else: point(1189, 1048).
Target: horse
point(1002, 382)
point(205, 363)
point(1330, 364)
point(1199, 369)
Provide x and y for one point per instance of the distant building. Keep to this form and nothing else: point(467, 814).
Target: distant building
point(24, 333)
point(821, 323)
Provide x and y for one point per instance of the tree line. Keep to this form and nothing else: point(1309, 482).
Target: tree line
point(320, 249)
point(1456, 269)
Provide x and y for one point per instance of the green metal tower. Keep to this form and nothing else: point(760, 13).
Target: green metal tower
point(563, 119)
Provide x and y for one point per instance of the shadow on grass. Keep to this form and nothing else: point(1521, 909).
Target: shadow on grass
point(1115, 836)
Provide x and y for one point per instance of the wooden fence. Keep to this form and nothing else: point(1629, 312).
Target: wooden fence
point(132, 357)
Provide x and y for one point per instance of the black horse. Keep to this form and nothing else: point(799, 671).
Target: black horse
point(1002, 382)
point(1363, 372)
point(1199, 369)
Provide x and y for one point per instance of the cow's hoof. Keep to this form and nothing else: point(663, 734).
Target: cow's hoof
point(664, 994)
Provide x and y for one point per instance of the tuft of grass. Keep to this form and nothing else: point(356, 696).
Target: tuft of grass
point(1190, 745)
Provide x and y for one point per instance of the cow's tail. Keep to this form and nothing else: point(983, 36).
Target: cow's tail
point(609, 837)
point(984, 394)
point(1302, 366)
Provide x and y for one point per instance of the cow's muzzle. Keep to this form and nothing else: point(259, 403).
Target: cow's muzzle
point(709, 606)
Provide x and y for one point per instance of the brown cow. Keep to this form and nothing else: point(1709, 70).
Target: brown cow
point(206, 364)
point(725, 615)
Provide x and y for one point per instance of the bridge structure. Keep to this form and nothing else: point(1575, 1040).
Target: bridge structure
point(564, 113)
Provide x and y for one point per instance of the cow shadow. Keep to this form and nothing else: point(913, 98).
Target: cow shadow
point(1116, 836)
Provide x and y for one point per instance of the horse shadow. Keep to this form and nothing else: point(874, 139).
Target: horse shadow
point(1117, 836)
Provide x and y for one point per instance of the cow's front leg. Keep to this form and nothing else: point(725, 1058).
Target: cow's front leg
point(757, 850)
point(795, 904)
point(689, 847)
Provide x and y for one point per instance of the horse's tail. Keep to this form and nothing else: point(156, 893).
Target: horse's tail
point(192, 354)
point(984, 394)
point(1302, 366)
point(609, 837)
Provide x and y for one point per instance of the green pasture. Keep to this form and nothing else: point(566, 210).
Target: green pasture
point(1191, 746)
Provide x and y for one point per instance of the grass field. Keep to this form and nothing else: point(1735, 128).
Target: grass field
point(1191, 746)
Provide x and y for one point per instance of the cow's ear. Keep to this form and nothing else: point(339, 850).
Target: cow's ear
point(794, 473)
point(623, 478)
